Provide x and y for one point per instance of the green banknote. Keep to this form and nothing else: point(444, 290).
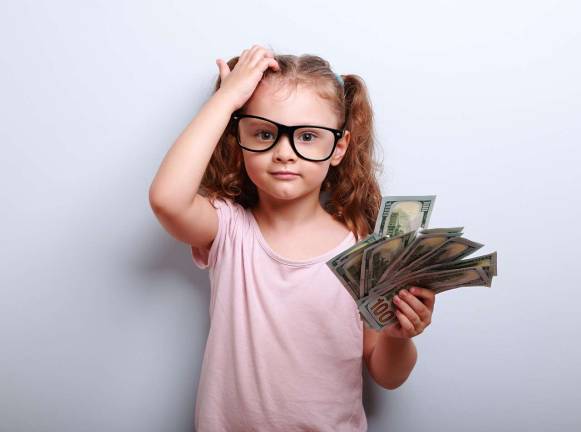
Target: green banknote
point(403, 252)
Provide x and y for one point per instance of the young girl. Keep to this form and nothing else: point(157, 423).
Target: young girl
point(286, 344)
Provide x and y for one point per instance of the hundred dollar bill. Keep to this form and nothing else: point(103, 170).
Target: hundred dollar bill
point(400, 214)
point(453, 249)
point(378, 309)
point(351, 267)
point(402, 252)
point(337, 265)
point(420, 246)
point(485, 262)
point(448, 279)
point(450, 231)
point(463, 278)
point(378, 256)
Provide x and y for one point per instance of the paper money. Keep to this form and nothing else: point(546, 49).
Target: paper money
point(401, 214)
point(403, 252)
point(338, 266)
point(378, 256)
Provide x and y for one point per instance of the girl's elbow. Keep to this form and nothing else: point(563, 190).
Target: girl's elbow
point(392, 385)
point(396, 380)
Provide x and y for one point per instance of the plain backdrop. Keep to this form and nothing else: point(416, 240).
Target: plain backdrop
point(104, 317)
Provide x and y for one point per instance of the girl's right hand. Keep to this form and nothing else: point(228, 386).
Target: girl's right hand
point(240, 82)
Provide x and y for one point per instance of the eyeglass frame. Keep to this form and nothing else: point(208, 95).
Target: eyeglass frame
point(289, 131)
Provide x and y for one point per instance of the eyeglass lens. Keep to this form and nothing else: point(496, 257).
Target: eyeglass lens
point(310, 142)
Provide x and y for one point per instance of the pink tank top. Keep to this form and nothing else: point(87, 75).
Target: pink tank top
point(284, 350)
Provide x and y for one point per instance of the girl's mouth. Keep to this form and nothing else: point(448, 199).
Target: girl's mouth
point(284, 175)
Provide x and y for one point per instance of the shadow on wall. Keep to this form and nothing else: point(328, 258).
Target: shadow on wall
point(372, 400)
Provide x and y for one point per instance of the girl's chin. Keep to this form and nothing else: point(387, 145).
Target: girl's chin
point(285, 192)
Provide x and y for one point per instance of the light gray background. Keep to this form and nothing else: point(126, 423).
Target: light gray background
point(103, 316)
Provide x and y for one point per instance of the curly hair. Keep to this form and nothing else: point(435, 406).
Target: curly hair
point(352, 188)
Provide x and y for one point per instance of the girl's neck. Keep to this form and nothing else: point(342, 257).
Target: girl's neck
point(281, 216)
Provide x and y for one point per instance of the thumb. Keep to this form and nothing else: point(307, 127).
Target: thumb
point(223, 67)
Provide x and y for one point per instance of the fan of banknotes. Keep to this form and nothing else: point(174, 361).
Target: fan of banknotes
point(402, 252)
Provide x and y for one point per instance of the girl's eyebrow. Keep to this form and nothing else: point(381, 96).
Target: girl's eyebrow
point(284, 124)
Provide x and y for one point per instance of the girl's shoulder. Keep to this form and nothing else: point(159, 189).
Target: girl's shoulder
point(232, 218)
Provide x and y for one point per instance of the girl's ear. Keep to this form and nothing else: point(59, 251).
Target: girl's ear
point(341, 148)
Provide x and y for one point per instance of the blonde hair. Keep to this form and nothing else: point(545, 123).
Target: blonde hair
point(353, 191)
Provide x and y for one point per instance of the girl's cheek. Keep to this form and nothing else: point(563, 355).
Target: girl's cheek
point(253, 167)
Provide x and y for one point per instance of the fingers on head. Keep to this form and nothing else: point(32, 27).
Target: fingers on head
point(269, 62)
point(259, 56)
point(262, 57)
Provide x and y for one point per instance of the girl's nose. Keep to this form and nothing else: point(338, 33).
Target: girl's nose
point(283, 149)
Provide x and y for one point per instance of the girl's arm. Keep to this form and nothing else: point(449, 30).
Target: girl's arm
point(173, 194)
point(178, 178)
point(389, 360)
point(390, 354)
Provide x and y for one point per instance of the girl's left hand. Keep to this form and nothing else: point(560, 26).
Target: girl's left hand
point(414, 312)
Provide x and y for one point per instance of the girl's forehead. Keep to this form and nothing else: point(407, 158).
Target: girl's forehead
point(290, 104)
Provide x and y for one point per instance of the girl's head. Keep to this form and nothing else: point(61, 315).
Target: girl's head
point(305, 91)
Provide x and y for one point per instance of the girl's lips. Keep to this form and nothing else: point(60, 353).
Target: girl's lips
point(281, 175)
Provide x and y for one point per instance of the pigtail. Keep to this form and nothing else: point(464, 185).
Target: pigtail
point(354, 193)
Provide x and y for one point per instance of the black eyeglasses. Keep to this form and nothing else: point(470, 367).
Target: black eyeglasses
point(251, 134)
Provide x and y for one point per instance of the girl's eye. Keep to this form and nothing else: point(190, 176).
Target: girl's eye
point(311, 136)
point(261, 134)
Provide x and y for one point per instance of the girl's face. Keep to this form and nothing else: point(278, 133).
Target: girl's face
point(302, 106)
